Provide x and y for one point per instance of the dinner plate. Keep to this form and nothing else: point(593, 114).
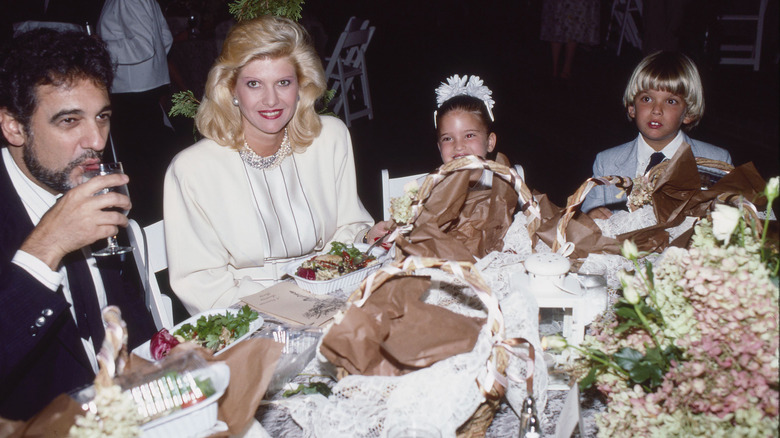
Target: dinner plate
point(144, 352)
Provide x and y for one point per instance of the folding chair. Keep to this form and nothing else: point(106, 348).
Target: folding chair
point(622, 12)
point(348, 62)
point(753, 49)
point(150, 257)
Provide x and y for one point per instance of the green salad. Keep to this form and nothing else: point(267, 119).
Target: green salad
point(216, 332)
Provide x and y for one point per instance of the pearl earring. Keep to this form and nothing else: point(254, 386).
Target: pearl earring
point(235, 101)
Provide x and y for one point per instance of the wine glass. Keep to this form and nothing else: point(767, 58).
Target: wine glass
point(413, 429)
point(113, 247)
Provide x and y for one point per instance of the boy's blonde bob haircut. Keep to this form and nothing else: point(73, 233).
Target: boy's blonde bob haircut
point(672, 72)
point(266, 37)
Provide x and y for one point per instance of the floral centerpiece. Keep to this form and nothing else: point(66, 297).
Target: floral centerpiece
point(692, 346)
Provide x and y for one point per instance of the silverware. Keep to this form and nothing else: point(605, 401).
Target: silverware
point(376, 243)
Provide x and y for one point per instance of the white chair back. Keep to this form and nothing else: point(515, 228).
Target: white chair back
point(348, 62)
point(150, 258)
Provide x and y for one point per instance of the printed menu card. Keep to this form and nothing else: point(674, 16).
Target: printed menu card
point(292, 304)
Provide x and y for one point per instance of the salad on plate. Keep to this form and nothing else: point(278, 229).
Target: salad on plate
point(215, 331)
point(342, 259)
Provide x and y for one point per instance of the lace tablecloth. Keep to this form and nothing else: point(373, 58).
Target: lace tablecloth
point(278, 424)
point(497, 269)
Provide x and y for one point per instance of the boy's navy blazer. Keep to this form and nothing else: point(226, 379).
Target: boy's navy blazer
point(41, 353)
point(622, 160)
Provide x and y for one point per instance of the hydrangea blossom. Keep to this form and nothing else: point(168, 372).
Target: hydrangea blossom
point(720, 308)
point(401, 207)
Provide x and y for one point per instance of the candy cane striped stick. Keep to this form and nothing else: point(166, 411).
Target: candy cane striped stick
point(113, 354)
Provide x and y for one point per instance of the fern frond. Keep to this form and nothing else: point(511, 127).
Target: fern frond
point(249, 9)
point(184, 104)
point(325, 99)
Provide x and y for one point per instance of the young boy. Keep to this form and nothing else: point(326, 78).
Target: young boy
point(663, 95)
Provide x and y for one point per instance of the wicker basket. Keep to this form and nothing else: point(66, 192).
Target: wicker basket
point(478, 423)
point(706, 167)
point(574, 201)
point(469, 163)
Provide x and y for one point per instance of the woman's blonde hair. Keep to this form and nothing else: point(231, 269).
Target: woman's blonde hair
point(266, 37)
point(672, 72)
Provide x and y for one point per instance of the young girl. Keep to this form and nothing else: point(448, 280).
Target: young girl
point(464, 119)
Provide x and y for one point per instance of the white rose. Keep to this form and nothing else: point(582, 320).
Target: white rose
point(630, 294)
point(554, 343)
point(724, 221)
point(772, 188)
point(625, 278)
point(629, 250)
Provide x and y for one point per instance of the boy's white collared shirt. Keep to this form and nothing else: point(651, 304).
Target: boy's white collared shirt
point(644, 151)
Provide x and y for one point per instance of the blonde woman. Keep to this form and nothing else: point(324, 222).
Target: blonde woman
point(271, 183)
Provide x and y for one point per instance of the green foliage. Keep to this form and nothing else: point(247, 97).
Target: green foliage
point(249, 9)
point(184, 104)
point(352, 255)
point(646, 369)
point(588, 381)
point(325, 99)
point(311, 388)
point(337, 248)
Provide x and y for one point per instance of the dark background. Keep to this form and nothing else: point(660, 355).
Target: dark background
point(554, 130)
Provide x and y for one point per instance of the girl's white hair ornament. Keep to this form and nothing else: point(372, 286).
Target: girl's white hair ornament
point(469, 86)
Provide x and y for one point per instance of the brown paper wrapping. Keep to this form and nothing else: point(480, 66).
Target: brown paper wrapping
point(581, 230)
point(252, 363)
point(54, 420)
point(677, 195)
point(395, 333)
point(460, 223)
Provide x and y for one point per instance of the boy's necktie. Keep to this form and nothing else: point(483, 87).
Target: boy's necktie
point(656, 158)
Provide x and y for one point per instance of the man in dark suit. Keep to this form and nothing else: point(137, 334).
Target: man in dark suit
point(54, 117)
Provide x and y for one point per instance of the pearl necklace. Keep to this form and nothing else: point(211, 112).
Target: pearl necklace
point(251, 158)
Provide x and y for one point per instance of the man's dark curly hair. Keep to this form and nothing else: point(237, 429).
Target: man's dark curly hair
point(49, 57)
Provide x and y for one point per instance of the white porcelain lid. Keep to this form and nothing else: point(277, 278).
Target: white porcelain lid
point(547, 264)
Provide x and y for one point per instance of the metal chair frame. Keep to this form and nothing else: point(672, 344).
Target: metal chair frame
point(347, 63)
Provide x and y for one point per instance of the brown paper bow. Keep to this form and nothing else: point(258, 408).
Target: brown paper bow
point(395, 333)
